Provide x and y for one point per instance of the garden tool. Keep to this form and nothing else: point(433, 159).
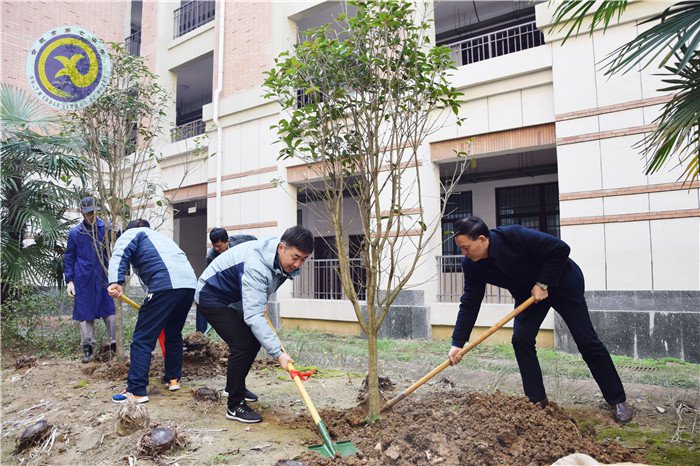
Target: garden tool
point(135, 305)
point(329, 449)
point(461, 352)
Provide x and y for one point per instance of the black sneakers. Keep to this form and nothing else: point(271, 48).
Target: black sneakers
point(243, 413)
point(248, 396)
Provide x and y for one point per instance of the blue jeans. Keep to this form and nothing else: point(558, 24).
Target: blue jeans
point(163, 310)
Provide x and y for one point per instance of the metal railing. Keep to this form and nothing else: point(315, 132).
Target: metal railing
point(319, 280)
point(192, 15)
point(494, 44)
point(133, 44)
point(188, 130)
point(451, 283)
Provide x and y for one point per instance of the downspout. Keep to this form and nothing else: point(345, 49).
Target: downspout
point(217, 95)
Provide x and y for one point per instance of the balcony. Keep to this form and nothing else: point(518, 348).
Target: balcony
point(494, 44)
point(187, 130)
point(133, 44)
point(451, 283)
point(192, 15)
point(319, 280)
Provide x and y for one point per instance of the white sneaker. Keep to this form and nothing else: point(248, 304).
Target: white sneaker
point(173, 385)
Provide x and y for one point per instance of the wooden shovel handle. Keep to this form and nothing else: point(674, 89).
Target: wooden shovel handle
point(461, 352)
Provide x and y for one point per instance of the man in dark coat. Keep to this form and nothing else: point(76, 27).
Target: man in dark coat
point(86, 276)
point(530, 263)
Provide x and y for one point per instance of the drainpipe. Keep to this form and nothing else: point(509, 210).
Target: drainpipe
point(221, 10)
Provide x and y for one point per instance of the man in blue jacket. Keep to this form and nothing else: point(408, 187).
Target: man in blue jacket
point(232, 294)
point(169, 281)
point(530, 263)
point(85, 263)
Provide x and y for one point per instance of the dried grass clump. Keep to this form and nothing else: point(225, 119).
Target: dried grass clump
point(132, 417)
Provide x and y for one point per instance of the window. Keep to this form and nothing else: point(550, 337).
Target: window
point(534, 206)
point(459, 205)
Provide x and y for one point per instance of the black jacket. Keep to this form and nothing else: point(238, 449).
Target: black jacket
point(518, 258)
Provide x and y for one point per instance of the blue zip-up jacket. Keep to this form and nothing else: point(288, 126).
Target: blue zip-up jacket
point(242, 278)
point(157, 260)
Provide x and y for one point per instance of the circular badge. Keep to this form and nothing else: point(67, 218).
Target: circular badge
point(68, 67)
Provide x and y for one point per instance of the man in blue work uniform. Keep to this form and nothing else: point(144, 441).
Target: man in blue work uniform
point(530, 263)
point(170, 281)
point(85, 272)
point(232, 294)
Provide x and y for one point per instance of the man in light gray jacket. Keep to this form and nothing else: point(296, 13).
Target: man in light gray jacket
point(232, 295)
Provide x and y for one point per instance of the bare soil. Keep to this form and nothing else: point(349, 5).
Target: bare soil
point(445, 422)
point(453, 427)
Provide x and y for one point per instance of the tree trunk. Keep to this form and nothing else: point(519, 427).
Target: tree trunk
point(118, 330)
point(373, 377)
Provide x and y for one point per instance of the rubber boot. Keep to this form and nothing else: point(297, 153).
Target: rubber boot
point(87, 354)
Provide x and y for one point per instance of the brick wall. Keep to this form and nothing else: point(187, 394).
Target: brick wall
point(248, 49)
point(24, 21)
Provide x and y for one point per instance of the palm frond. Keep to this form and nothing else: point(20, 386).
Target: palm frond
point(572, 13)
point(678, 131)
point(19, 110)
point(678, 29)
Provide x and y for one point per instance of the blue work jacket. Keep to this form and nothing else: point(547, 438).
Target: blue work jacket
point(89, 275)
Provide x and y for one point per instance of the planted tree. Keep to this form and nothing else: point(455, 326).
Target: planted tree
point(119, 131)
point(360, 97)
point(38, 163)
point(674, 36)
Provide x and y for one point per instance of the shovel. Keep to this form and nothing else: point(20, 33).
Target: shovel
point(135, 305)
point(461, 352)
point(329, 449)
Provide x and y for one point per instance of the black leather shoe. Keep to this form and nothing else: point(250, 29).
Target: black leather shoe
point(622, 413)
point(542, 403)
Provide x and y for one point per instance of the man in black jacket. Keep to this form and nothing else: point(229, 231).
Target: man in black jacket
point(530, 263)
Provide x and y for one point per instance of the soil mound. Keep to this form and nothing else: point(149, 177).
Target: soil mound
point(386, 387)
point(464, 428)
point(202, 357)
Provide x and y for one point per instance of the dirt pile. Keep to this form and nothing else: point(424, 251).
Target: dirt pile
point(465, 428)
point(201, 357)
point(386, 388)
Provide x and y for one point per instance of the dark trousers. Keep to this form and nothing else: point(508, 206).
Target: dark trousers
point(166, 311)
point(201, 322)
point(242, 347)
point(593, 351)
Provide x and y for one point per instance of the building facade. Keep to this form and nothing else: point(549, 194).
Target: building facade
point(553, 139)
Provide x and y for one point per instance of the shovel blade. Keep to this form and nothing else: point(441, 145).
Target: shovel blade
point(343, 448)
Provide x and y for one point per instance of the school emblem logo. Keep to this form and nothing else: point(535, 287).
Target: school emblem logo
point(68, 67)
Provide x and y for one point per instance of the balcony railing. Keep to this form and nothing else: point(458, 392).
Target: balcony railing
point(451, 283)
point(319, 280)
point(188, 130)
point(133, 44)
point(192, 15)
point(494, 44)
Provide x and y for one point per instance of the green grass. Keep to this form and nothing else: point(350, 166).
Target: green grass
point(658, 448)
point(666, 372)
